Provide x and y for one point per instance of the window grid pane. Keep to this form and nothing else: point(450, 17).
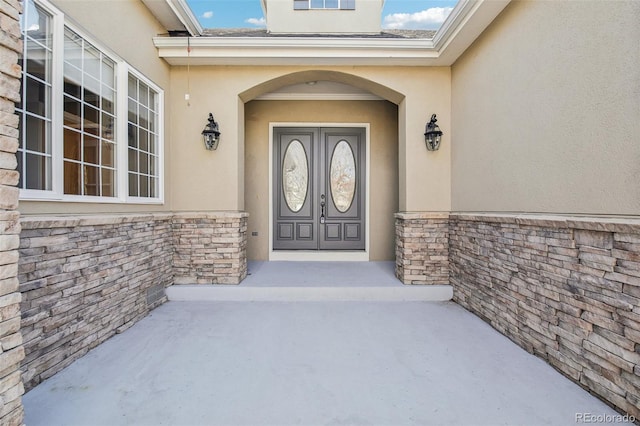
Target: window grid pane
point(34, 110)
point(144, 173)
point(87, 113)
point(89, 119)
point(324, 4)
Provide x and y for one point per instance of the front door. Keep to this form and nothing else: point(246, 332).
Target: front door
point(319, 188)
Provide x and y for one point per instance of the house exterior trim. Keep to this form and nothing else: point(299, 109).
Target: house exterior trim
point(294, 51)
point(318, 97)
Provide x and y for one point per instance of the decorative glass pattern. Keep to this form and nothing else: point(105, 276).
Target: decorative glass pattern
point(295, 176)
point(343, 176)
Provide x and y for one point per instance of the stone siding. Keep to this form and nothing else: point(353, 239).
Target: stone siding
point(565, 289)
point(84, 279)
point(210, 248)
point(11, 348)
point(422, 248)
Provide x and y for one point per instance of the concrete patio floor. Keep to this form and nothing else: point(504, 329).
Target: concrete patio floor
point(309, 363)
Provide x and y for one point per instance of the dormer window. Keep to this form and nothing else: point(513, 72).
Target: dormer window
point(324, 4)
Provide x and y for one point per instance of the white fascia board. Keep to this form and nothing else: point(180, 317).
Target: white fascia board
point(294, 51)
point(465, 23)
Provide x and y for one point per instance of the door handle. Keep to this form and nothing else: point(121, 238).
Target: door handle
point(322, 204)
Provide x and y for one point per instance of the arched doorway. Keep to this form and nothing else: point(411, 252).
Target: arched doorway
point(369, 230)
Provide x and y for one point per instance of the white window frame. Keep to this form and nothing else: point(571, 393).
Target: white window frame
point(57, 43)
point(122, 69)
point(124, 183)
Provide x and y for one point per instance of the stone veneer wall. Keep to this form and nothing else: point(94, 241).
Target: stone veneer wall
point(84, 279)
point(11, 349)
point(566, 289)
point(422, 248)
point(210, 248)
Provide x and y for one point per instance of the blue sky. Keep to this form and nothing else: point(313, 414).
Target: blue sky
point(397, 14)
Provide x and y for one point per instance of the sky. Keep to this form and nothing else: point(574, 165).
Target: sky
point(397, 14)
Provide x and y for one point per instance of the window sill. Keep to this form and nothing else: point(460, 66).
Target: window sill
point(36, 196)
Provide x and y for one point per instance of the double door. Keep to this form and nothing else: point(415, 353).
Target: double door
point(319, 188)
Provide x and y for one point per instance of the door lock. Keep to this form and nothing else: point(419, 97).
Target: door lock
point(322, 204)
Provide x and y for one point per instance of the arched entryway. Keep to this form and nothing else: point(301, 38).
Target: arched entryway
point(313, 102)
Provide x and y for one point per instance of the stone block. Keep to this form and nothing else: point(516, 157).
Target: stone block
point(623, 278)
point(8, 144)
point(9, 242)
point(603, 321)
point(8, 285)
point(633, 238)
point(597, 239)
point(612, 348)
point(8, 258)
point(12, 414)
point(10, 358)
point(11, 341)
point(602, 386)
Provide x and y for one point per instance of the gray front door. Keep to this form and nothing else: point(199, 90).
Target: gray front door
point(319, 188)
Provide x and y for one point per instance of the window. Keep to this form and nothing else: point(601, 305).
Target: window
point(142, 131)
point(324, 4)
point(34, 110)
point(89, 119)
point(90, 125)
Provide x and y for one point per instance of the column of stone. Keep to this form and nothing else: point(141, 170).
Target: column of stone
point(422, 248)
point(11, 350)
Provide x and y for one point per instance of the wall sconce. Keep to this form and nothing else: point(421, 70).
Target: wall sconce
point(433, 134)
point(211, 134)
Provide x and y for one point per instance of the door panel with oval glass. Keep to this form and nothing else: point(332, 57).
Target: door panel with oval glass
point(319, 188)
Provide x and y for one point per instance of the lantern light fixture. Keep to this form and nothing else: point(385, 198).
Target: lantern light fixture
point(211, 134)
point(433, 134)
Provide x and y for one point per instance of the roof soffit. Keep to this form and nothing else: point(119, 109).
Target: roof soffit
point(465, 23)
point(174, 15)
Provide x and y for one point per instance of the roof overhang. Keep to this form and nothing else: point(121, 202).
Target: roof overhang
point(465, 23)
point(174, 15)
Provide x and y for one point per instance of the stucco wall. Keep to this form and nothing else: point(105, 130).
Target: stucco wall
point(545, 109)
point(213, 180)
point(383, 119)
point(125, 28)
point(365, 18)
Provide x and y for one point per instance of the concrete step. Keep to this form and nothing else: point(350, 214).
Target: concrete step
point(314, 281)
point(289, 293)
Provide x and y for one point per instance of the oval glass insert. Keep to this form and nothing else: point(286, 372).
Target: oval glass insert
point(343, 176)
point(295, 176)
